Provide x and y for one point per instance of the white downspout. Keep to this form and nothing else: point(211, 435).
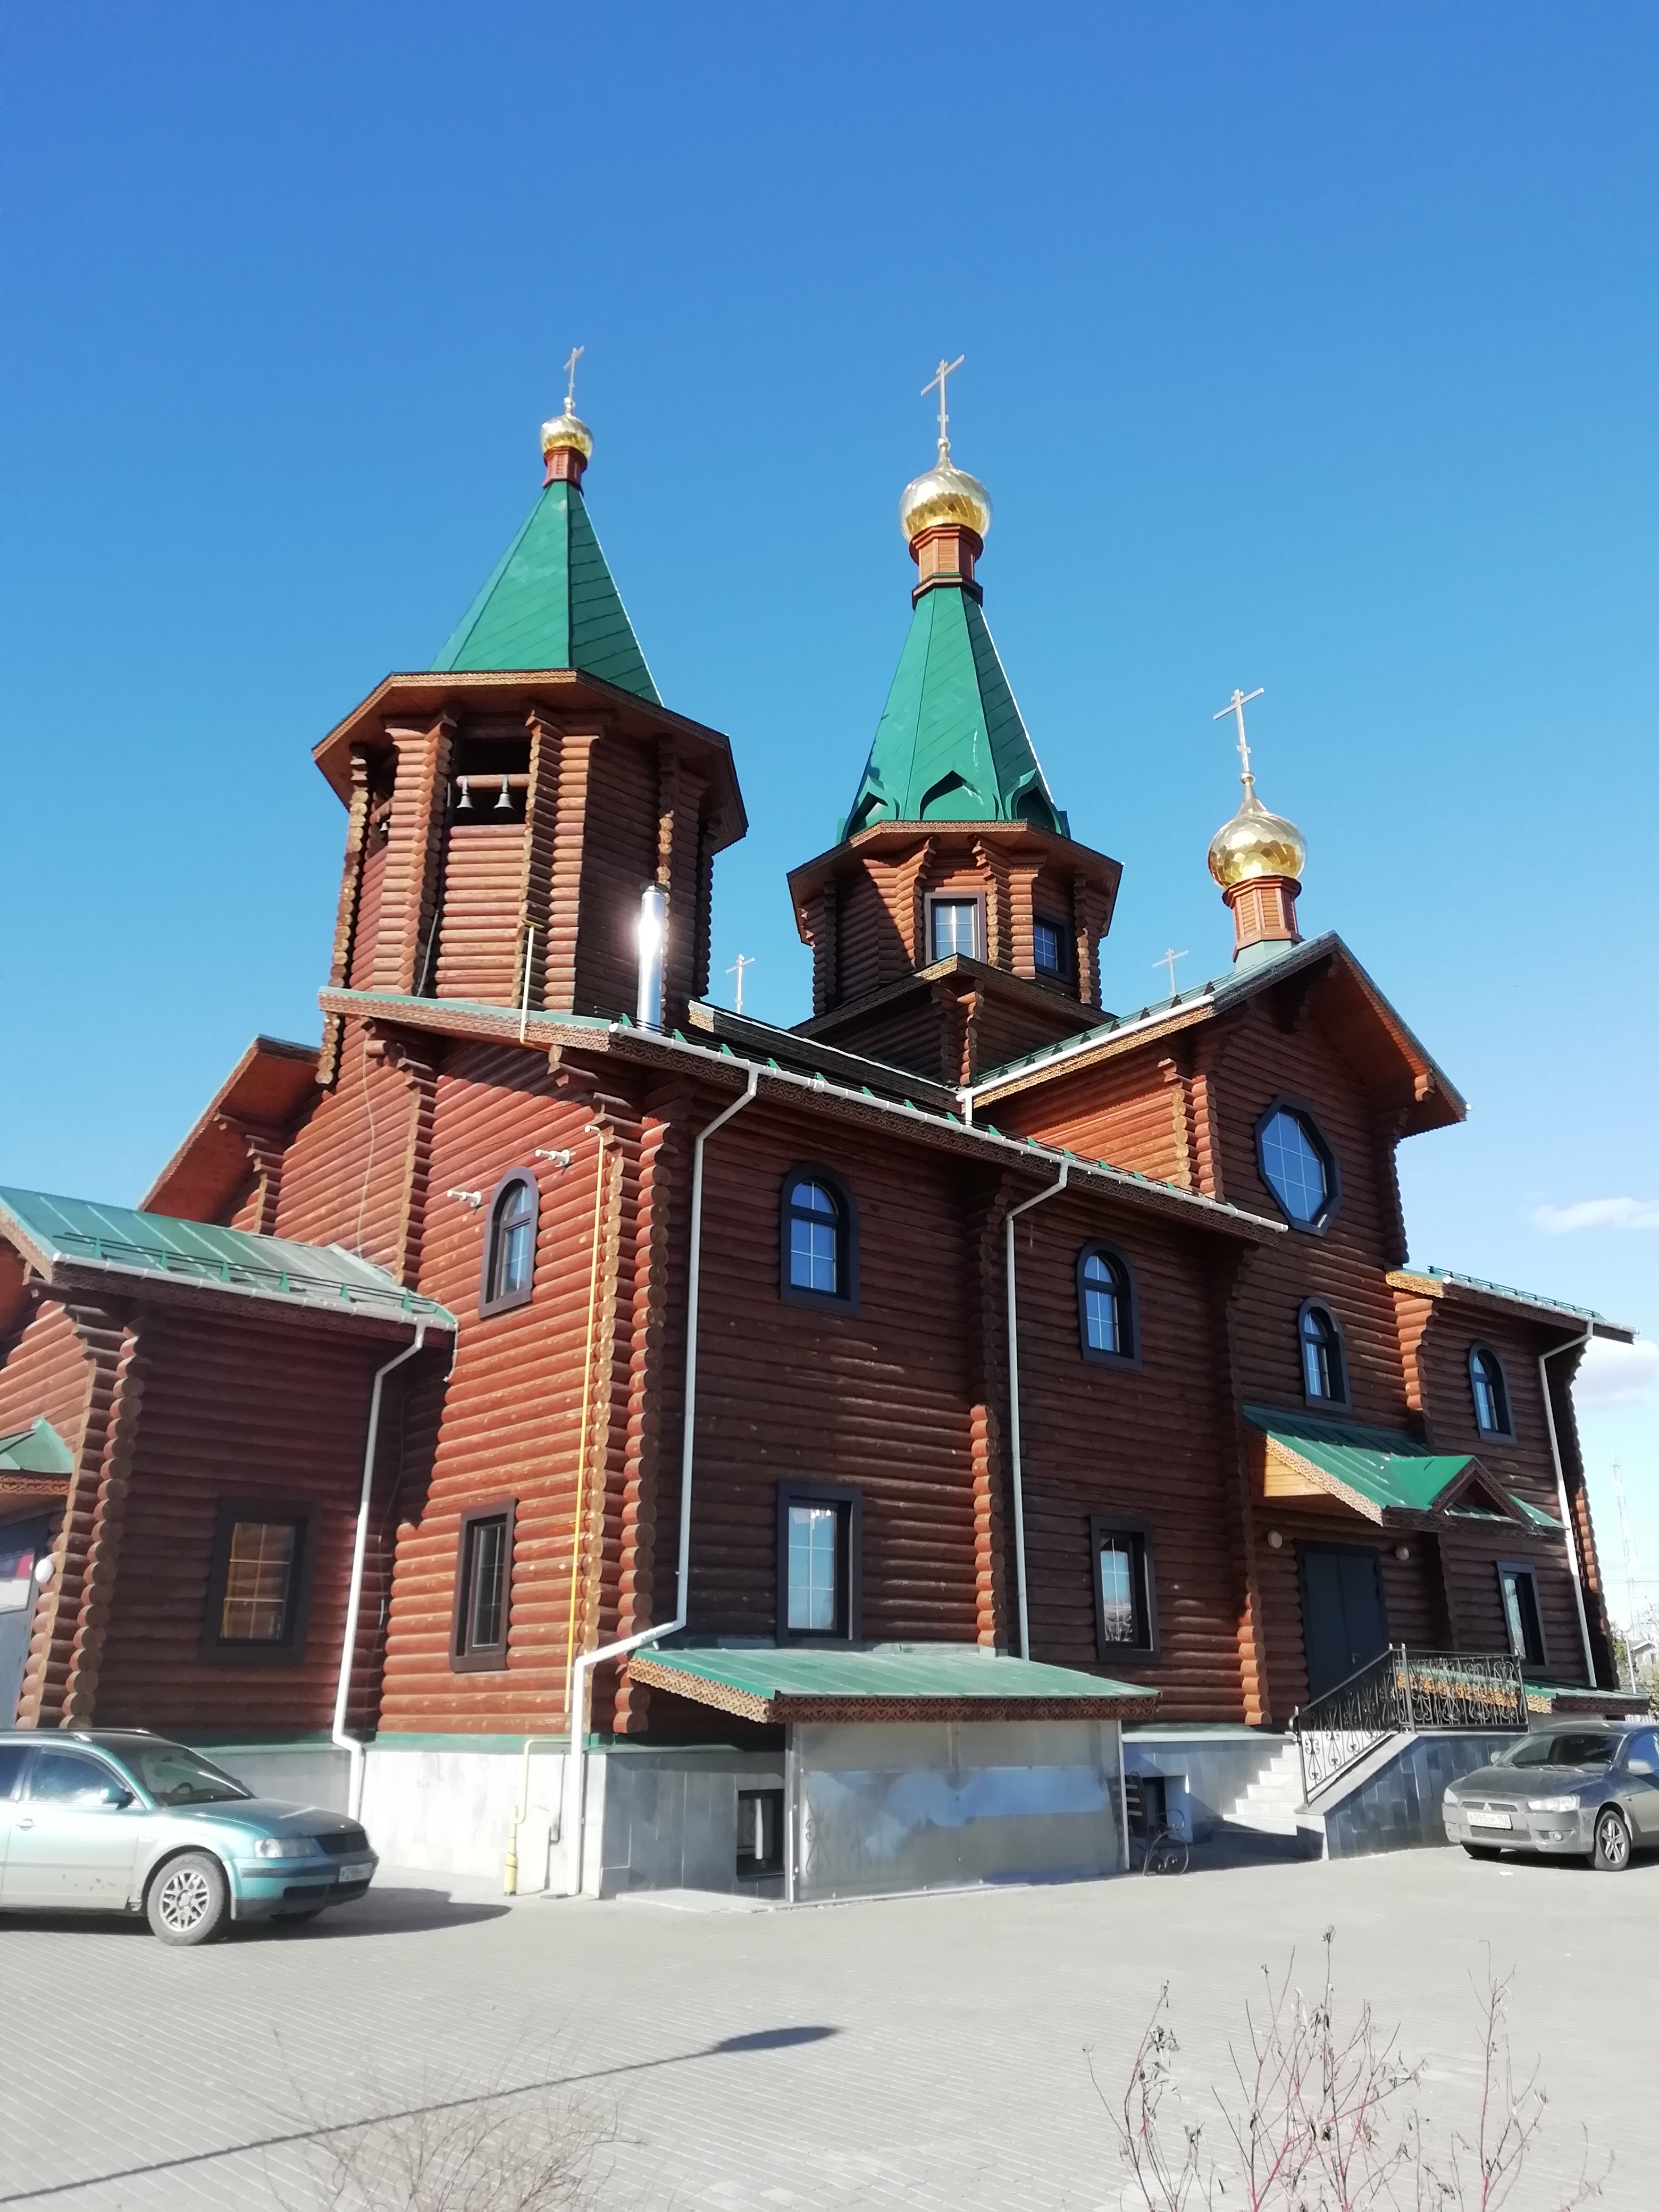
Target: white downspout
point(350, 1744)
point(1569, 1527)
point(1009, 1220)
point(589, 1659)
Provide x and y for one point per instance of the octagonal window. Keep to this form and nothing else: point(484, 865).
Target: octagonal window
point(1297, 1166)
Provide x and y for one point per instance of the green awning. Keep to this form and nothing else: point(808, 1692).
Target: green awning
point(1375, 1471)
point(896, 1682)
point(38, 1450)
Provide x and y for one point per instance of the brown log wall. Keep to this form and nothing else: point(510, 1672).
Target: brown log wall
point(619, 856)
point(366, 929)
point(47, 1374)
point(344, 1175)
point(478, 928)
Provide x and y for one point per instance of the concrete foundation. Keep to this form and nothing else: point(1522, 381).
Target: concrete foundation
point(1207, 1769)
point(1390, 1802)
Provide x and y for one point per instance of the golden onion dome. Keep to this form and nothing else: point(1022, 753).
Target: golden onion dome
point(945, 494)
point(1255, 844)
point(567, 431)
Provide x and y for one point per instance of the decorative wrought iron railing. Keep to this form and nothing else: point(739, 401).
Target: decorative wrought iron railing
point(1398, 1692)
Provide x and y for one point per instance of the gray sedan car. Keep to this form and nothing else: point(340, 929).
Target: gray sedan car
point(121, 1821)
point(1586, 1790)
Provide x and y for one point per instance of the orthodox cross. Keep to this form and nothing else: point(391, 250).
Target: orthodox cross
point(1236, 707)
point(576, 353)
point(1168, 960)
point(945, 368)
point(742, 961)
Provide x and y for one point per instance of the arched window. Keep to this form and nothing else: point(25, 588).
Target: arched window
point(1324, 1368)
point(1297, 1165)
point(1491, 1393)
point(817, 1234)
point(509, 1262)
point(1106, 1304)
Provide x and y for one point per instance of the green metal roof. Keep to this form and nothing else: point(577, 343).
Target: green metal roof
point(1390, 1469)
point(37, 1450)
point(950, 745)
point(1539, 1519)
point(776, 1678)
point(81, 1233)
point(550, 603)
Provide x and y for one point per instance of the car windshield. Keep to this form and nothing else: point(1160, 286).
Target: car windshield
point(1582, 1747)
point(173, 1775)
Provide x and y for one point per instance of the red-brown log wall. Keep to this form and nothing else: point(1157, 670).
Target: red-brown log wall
point(478, 932)
point(47, 1373)
point(619, 856)
point(344, 1174)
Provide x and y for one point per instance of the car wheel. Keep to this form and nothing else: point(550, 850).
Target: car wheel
point(189, 1901)
point(1483, 1851)
point(1611, 1843)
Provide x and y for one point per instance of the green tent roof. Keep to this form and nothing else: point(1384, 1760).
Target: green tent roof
point(1387, 1468)
point(549, 603)
point(80, 1232)
point(37, 1450)
point(768, 1683)
point(950, 745)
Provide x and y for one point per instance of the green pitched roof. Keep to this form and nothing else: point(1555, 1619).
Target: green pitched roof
point(1381, 1466)
point(549, 603)
point(766, 1683)
point(950, 745)
point(37, 1450)
point(83, 1233)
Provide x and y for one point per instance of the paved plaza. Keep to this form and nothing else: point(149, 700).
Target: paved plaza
point(929, 2051)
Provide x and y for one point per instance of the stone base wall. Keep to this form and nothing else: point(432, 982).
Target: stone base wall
point(1395, 1805)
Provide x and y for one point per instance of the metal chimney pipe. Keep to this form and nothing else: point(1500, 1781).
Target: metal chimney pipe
point(653, 939)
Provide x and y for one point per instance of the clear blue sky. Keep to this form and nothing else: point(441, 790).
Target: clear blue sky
point(1306, 347)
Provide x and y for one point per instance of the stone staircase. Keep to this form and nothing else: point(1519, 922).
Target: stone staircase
point(1270, 1804)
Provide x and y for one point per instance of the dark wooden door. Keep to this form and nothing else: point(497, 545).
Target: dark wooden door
point(1342, 1619)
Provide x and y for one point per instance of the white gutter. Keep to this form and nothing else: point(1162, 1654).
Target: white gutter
point(1569, 1527)
point(1009, 1220)
point(589, 1659)
point(351, 1744)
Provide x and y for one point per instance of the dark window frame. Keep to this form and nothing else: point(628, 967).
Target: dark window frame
point(767, 1867)
point(974, 899)
point(466, 1658)
point(1343, 1403)
point(1299, 1108)
point(1063, 973)
point(289, 1650)
point(1138, 1531)
point(1524, 1568)
point(495, 1209)
point(1128, 1361)
point(845, 1298)
point(849, 1538)
point(1506, 1435)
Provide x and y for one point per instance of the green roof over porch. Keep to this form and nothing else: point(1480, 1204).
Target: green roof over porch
point(38, 1450)
point(894, 1682)
point(549, 603)
point(1382, 1471)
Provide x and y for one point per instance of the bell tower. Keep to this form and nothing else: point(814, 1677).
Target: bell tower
point(506, 807)
point(956, 923)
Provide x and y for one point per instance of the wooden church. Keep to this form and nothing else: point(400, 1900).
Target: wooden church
point(867, 1444)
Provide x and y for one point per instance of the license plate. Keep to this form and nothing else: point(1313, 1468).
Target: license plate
point(361, 1870)
point(1478, 1819)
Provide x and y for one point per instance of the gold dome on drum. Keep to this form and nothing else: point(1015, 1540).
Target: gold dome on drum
point(945, 494)
point(1256, 843)
point(565, 431)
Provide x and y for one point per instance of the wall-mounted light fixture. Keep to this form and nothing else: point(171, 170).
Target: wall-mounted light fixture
point(1275, 1541)
point(1402, 1552)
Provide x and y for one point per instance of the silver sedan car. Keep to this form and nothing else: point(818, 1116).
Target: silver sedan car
point(121, 1821)
point(1587, 1790)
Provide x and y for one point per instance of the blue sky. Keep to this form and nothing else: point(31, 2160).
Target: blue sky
point(1309, 347)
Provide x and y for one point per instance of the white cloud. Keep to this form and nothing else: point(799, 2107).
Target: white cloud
point(1617, 1374)
point(1598, 1213)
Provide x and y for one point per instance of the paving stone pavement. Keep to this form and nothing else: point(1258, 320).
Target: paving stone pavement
point(929, 2052)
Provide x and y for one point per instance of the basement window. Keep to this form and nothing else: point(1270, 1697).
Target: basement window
point(259, 1584)
point(760, 1834)
point(820, 1539)
point(483, 1587)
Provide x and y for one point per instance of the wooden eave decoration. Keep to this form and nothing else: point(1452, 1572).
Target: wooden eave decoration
point(1565, 1323)
point(563, 692)
point(897, 839)
point(23, 1490)
point(270, 1086)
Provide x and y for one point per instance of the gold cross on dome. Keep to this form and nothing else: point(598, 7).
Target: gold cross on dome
point(1236, 707)
point(576, 353)
point(945, 368)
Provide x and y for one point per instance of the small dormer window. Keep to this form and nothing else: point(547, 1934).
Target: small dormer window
point(1047, 947)
point(953, 928)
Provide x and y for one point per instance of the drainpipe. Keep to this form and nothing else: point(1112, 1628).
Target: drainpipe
point(1568, 1526)
point(351, 1744)
point(1009, 1220)
point(589, 1659)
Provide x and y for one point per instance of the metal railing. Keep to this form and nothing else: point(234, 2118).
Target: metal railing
point(1399, 1692)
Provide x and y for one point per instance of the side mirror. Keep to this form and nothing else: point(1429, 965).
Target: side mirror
point(117, 1794)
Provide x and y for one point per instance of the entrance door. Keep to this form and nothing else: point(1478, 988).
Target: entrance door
point(1342, 1620)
